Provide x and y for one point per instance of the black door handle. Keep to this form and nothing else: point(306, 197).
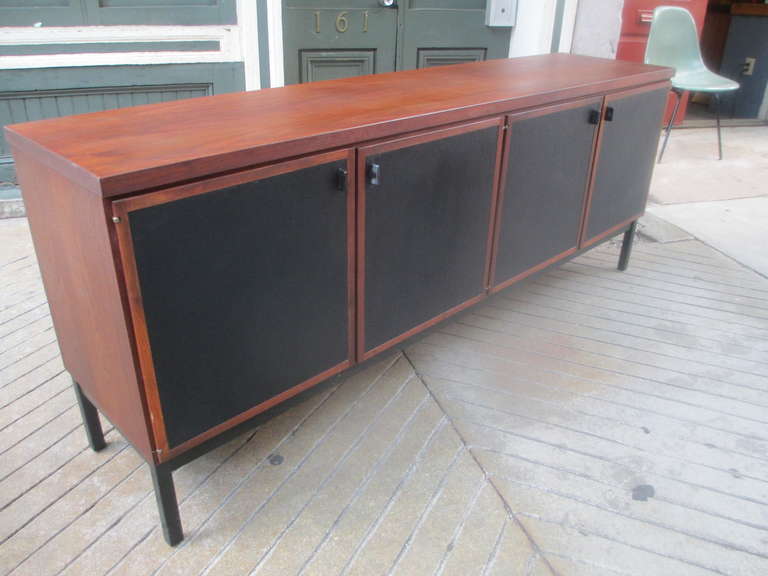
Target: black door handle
point(594, 116)
point(341, 179)
point(374, 174)
point(609, 114)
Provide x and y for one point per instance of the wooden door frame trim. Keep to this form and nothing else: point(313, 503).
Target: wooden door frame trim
point(395, 144)
point(613, 230)
point(533, 269)
point(121, 210)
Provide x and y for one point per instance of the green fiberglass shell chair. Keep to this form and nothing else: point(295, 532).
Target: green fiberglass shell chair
point(673, 42)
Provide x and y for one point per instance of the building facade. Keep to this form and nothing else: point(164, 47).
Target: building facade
point(60, 57)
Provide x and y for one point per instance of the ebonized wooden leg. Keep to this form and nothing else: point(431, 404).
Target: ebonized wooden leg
point(626, 246)
point(165, 494)
point(90, 420)
point(679, 96)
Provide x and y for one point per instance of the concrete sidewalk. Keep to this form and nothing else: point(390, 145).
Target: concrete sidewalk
point(723, 203)
point(738, 228)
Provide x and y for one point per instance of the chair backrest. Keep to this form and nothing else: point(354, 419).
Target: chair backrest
point(673, 40)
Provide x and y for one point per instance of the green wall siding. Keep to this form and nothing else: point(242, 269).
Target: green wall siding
point(116, 12)
point(110, 47)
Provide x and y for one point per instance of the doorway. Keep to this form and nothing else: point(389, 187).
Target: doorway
point(328, 39)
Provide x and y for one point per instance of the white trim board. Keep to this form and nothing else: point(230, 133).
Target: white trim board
point(247, 18)
point(275, 27)
point(227, 36)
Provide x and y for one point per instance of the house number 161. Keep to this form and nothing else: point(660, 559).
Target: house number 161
point(342, 22)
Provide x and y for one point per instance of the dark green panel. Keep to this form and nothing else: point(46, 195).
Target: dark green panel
point(34, 94)
point(445, 4)
point(40, 104)
point(412, 34)
point(429, 57)
point(169, 12)
point(49, 12)
point(34, 3)
point(155, 3)
point(363, 36)
point(450, 25)
point(104, 47)
point(116, 12)
point(325, 65)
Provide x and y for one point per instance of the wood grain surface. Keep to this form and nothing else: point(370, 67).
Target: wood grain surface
point(122, 151)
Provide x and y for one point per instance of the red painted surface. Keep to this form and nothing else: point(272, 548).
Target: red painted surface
point(636, 23)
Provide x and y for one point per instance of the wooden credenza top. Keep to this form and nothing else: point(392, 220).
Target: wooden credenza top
point(121, 151)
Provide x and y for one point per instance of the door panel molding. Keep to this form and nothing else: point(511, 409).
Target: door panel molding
point(321, 64)
point(364, 349)
point(122, 209)
point(542, 186)
point(612, 198)
point(428, 57)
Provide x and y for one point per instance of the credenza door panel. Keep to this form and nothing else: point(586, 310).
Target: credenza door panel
point(425, 206)
point(627, 148)
point(548, 159)
point(241, 289)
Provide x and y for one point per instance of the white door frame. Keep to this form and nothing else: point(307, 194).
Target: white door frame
point(276, 64)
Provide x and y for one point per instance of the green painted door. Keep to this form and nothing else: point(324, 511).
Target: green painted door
point(326, 39)
point(437, 32)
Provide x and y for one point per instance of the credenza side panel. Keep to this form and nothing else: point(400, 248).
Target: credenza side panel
point(244, 288)
point(424, 236)
point(548, 160)
point(630, 132)
point(70, 230)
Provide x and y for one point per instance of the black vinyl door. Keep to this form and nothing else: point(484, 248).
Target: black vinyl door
point(630, 133)
point(426, 206)
point(245, 291)
point(541, 203)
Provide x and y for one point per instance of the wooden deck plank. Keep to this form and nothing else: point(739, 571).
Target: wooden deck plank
point(320, 479)
point(507, 441)
point(21, 334)
point(631, 425)
point(606, 300)
point(291, 549)
point(573, 412)
point(654, 395)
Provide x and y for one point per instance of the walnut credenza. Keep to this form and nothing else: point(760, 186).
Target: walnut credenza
point(206, 259)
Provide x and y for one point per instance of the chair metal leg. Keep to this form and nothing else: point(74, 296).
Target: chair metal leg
point(669, 124)
point(719, 138)
point(167, 506)
point(626, 246)
point(90, 420)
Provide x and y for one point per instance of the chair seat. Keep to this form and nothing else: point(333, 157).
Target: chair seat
point(702, 80)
